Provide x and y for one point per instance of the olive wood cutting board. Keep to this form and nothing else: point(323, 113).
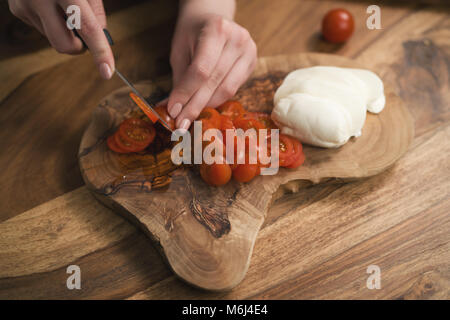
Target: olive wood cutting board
point(207, 233)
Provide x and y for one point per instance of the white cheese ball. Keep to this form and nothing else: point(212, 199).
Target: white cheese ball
point(326, 106)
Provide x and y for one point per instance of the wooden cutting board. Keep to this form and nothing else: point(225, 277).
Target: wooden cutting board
point(206, 233)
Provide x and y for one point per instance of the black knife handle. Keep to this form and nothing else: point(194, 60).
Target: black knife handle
point(105, 31)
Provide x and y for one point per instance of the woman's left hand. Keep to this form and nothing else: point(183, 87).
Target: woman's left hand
point(211, 58)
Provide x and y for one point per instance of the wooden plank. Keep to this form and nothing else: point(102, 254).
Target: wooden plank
point(39, 181)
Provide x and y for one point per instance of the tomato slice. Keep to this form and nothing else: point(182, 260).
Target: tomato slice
point(245, 172)
point(298, 157)
point(112, 145)
point(143, 107)
point(162, 111)
point(137, 132)
point(126, 146)
point(285, 150)
point(232, 109)
point(298, 161)
point(244, 122)
point(210, 115)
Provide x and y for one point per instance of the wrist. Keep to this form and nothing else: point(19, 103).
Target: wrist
point(199, 9)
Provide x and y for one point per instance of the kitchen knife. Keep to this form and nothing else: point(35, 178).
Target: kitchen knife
point(145, 104)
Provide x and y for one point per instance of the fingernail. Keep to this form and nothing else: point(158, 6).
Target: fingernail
point(105, 71)
point(185, 124)
point(175, 110)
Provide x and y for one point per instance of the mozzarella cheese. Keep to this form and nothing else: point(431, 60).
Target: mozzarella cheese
point(326, 106)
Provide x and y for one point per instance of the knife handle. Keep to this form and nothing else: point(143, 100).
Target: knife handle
point(105, 31)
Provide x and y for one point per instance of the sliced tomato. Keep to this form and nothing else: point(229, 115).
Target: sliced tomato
point(143, 107)
point(232, 109)
point(297, 148)
point(162, 111)
point(298, 157)
point(137, 132)
point(245, 172)
point(243, 122)
point(285, 150)
point(125, 145)
point(298, 161)
point(210, 115)
point(226, 122)
point(111, 142)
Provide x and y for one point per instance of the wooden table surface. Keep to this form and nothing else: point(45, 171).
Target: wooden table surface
point(316, 243)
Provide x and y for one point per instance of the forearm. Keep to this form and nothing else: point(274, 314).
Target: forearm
point(197, 8)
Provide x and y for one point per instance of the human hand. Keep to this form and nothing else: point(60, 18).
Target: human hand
point(48, 17)
point(211, 58)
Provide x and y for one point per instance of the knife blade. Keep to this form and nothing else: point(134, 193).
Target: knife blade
point(146, 103)
point(149, 106)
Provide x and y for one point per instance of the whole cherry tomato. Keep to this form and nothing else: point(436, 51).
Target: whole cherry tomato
point(215, 174)
point(338, 25)
point(245, 172)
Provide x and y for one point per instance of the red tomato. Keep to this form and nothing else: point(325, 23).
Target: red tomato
point(232, 109)
point(111, 142)
point(297, 155)
point(244, 122)
point(297, 162)
point(162, 111)
point(125, 145)
point(285, 150)
point(215, 174)
point(225, 124)
point(262, 117)
point(210, 115)
point(137, 132)
point(245, 172)
point(338, 25)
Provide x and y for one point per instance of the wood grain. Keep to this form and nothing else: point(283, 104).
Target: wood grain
point(411, 52)
point(207, 234)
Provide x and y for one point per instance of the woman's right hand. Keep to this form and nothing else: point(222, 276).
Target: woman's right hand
point(48, 17)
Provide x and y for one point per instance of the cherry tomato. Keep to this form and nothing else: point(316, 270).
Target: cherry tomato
point(111, 142)
point(125, 145)
point(210, 115)
point(215, 174)
point(143, 107)
point(285, 150)
point(297, 162)
point(162, 111)
point(338, 25)
point(245, 172)
point(297, 155)
point(225, 124)
point(137, 132)
point(244, 122)
point(232, 109)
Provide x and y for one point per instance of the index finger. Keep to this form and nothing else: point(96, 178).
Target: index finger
point(92, 34)
point(206, 55)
